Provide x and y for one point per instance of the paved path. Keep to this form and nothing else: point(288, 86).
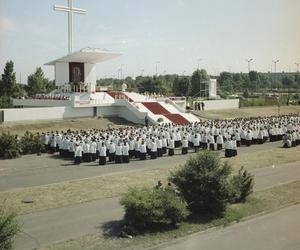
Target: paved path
point(32, 170)
point(275, 231)
point(73, 221)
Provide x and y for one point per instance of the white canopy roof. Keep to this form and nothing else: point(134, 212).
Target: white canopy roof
point(87, 55)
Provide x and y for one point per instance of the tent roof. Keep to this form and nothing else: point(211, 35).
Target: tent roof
point(87, 55)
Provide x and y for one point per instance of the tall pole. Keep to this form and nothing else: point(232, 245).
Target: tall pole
point(121, 69)
point(156, 69)
point(70, 21)
point(199, 60)
point(249, 61)
point(275, 62)
point(297, 64)
point(142, 71)
point(298, 80)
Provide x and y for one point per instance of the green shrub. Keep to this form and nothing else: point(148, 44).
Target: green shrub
point(241, 186)
point(9, 146)
point(203, 182)
point(9, 227)
point(146, 208)
point(30, 143)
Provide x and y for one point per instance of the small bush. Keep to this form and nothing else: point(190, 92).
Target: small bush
point(241, 186)
point(149, 207)
point(9, 146)
point(30, 143)
point(203, 182)
point(9, 227)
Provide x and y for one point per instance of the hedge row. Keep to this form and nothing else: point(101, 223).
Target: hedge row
point(12, 146)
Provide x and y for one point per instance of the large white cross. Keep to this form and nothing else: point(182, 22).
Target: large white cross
point(70, 11)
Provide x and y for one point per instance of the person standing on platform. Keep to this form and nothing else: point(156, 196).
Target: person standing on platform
point(102, 154)
point(202, 106)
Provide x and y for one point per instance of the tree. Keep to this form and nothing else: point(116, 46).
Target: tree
point(253, 76)
point(9, 227)
point(241, 186)
point(203, 182)
point(5, 102)
point(8, 83)
point(148, 207)
point(181, 86)
point(288, 81)
point(37, 83)
point(199, 83)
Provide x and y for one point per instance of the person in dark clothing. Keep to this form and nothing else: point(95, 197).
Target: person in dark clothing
point(202, 106)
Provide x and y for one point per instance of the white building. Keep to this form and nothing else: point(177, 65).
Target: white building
point(78, 69)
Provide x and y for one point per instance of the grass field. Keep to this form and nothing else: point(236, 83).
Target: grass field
point(263, 201)
point(250, 112)
point(53, 125)
point(78, 191)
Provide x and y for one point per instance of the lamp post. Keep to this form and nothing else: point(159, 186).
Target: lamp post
point(199, 60)
point(121, 71)
point(275, 63)
point(298, 80)
point(249, 61)
point(142, 72)
point(156, 67)
point(297, 64)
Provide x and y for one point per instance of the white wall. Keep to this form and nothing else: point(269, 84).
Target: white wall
point(221, 104)
point(61, 73)
point(90, 76)
point(40, 103)
point(27, 114)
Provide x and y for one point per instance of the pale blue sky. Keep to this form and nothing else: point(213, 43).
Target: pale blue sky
point(174, 32)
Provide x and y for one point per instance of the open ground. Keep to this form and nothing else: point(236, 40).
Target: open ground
point(57, 187)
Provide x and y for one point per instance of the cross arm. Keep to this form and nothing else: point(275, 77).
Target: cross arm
point(67, 9)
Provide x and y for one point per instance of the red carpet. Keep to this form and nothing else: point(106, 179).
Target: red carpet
point(177, 119)
point(119, 95)
point(157, 109)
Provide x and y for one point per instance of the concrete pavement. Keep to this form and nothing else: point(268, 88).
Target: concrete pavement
point(32, 170)
point(60, 224)
point(275, 231)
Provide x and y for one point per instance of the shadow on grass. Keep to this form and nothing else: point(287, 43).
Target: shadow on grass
point(119, 228)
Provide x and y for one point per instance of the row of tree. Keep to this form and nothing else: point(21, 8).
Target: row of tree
point(36, 83)
point(197, 84)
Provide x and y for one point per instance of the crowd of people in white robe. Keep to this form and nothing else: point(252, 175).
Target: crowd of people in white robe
point(120, 145)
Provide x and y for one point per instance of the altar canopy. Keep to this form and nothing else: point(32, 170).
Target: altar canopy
point(80, 67)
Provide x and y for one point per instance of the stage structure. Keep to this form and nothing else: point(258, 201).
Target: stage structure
point(77, 71)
